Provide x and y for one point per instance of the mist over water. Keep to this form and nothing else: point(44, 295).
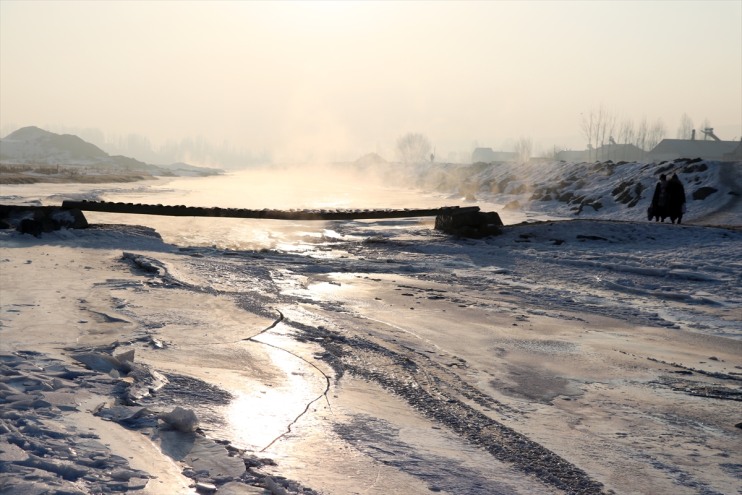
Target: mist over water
point(319, 187)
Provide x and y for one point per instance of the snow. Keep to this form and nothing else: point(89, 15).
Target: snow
point(607, 190)
point(582, 350)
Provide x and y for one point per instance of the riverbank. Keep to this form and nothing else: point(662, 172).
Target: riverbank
point(8, 179)
point(58, 174)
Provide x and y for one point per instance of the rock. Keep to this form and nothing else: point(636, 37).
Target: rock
point(237, 488)
point(68, 218)
point(123, 414)
point(36, 220)
point(703, 192)
point(58, 383)
point(202, 487)
point(137, 484)
point(97, 361)
point(474, 224)
point(124, 474)
point(274, 487)
point(30, 226)
point(181, 419)
point(66, 400)
point(146, 381)
point(124, 357)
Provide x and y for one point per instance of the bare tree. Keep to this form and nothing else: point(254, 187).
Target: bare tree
point(597, 125)
point(607, 125)
point(612, 124)
point(589, 126)
point(655, 134)
point(685, 129)
point(626, 132)
point(413, 148)
point(640, 137)
point(523, 148)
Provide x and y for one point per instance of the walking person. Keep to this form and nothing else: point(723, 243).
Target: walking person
point(658, 208)
point(675, 199)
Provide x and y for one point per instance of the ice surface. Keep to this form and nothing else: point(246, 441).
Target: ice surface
point(580, 356)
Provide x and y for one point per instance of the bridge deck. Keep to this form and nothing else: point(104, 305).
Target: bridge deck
point(193, 211)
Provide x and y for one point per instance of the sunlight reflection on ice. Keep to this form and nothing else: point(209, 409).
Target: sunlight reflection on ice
point(259, 417)
point(324, 289)
point(272, 189)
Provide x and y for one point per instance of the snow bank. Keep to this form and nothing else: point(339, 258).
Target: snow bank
point(605, 190)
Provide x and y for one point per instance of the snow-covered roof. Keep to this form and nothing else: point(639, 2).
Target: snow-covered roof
point(669, 149)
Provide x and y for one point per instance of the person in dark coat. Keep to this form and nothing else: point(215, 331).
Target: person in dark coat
point(658, 208)
point(675, 199)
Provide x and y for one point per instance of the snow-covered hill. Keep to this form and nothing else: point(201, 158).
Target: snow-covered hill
point(32, 145)
point(35, 146)
point(600, 190)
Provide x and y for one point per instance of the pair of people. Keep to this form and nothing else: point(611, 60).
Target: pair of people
point(668, 200)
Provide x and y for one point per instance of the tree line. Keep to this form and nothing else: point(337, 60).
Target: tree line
point(601, 127)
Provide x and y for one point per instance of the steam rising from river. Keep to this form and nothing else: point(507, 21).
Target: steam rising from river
point(326, 187)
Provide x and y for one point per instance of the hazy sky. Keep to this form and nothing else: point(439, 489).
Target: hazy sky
point(339, 79)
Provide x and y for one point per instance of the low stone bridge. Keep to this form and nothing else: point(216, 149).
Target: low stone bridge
point(302, 214)
point(463, 221)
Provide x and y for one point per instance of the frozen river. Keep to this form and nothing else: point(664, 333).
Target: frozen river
point(324, 188)
point(378, 357)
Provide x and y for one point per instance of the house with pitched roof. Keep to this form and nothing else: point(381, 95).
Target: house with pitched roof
point(670, 149)
point(613, 151)
point(736, 155)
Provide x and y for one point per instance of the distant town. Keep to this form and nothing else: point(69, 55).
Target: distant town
point(707, 146)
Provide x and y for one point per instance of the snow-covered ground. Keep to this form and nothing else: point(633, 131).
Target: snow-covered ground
point(601, 190)
point(593, 355)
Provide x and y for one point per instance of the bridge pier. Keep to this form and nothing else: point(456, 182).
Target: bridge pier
point(474, 224)
point(36, 220)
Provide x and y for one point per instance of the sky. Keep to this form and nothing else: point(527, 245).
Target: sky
point(334, 80)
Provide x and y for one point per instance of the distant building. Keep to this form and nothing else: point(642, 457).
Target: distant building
point(613, 152)
point(736, 155)
point(619, 153)
point(666, 150)
point(488, 155)
point(573, 155)
point(670, 149)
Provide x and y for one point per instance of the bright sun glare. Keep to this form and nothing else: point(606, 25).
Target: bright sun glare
point(323, 16)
